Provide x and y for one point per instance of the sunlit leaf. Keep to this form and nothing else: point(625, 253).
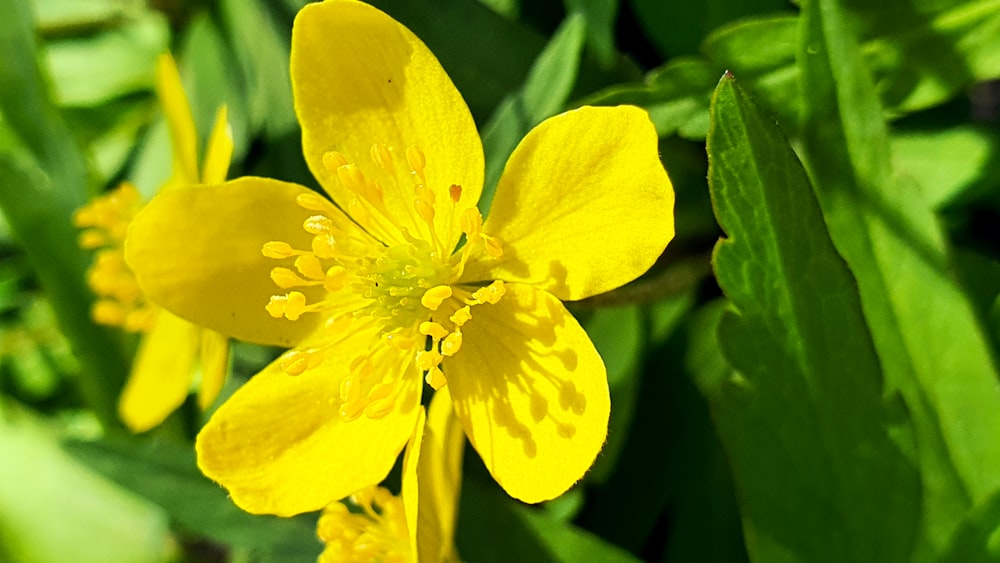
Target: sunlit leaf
point(803, 420)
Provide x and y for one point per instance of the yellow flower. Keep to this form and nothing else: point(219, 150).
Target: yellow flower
point(418, 525)
point(173, 351)
point(382, 298)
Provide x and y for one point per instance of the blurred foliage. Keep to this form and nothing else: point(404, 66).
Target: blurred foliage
point(821, 385)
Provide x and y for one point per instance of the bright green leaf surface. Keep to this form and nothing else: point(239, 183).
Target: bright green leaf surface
point(804, 424)
point(52, 508)
point(544, 94)
point(92, 69)
point(949, 163)
point(930, 345)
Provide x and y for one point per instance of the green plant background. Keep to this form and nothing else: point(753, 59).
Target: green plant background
point(808, 374)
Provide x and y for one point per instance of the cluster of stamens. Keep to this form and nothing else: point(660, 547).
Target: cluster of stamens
point(377, 531)
point(400, 288)
point(105, 222)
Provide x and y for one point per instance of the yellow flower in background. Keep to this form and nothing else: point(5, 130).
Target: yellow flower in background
point(398, 280)
point(173, 353)
point(418, 525)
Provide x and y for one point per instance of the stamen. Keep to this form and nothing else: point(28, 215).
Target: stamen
point(312, 201)
point(285, 278)
point(434, 296)
point(277, 249)
point(455, 191)
point(309, 266)
point(416, 159)
point(451, 344)
point(333, 160)
point(490, 294)
point(435, 378)
point(434, 330)
point(461, 316)
point(318, 225)
point(382, 157)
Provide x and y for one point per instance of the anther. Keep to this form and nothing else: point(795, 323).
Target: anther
point(382, 156)
point(312, 201)
point(323, 245)
point(415, 158)
point(397, 340)
point(285, 278)
point(472, 222)
point(435, 378)
point(433, 329)
point(434, 296)
point(461, 316)
point(277, 249)
point(451, 344)
point(425, 210)
point(490, 294)
point(333, 160)
point(353, 179)
point(427, 359)
point(455, 191)
point(309, 266)
point(493, 247)
point(317, 224)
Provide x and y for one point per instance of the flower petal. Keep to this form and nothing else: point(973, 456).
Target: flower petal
point(531, 392)
point(432, 480)
point(162, 373)
point(359, 78)
point(583, 205)
point(279, 446)
point(219, 151)
point(214, 367)
point(197, 253)
point(180, 123)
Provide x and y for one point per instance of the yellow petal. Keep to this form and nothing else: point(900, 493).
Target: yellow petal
point(183, 135)
point(440, 480)
point(162, 373)
point(432, 481)
point(583, 205)
point(359, 78)
point(531, 392)
point(279, 447)
point(214, 366)
point(410, 489)
point(197, 253)
point(219, 151)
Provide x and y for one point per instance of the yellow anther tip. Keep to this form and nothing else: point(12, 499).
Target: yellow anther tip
point(434, 296)
point(277, 249)
point(333, 160)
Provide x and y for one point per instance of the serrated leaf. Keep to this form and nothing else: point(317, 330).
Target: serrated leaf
point(928, 339)
point(818, 477)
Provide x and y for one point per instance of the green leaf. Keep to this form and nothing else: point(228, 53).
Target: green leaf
point(494, 527)
point(40, 216)
point(262, 50)
point(619, 336)
point(950, 164)
point(676, 96)
point(52, 508)
point(545, 91)
point(167, 475)
point(600, 17)
point(677, 28)
point(92, 69)
point(925, 51)
point(818, 477)
point(928, 339)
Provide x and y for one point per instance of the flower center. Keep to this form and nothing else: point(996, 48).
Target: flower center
point(404, 293)
point(398, 281)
